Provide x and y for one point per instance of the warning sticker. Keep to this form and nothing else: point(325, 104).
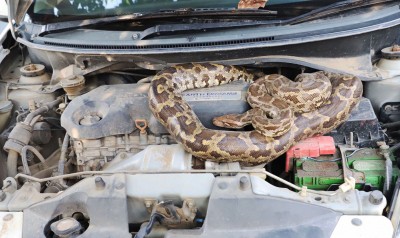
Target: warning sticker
point(212, 96)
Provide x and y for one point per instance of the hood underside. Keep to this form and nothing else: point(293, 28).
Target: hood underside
point(17, 9)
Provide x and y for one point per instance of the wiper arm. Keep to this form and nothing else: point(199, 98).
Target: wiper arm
point(71, 25)
point(332, 9)
point(189, 12)
point(199, 27)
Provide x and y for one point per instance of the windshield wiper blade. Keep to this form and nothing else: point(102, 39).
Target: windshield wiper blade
point(199, 27)
point(209, 12)
point(189, 12)
point(71, 25)
point(332, 9)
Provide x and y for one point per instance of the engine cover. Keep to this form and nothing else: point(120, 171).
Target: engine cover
point(113, 109)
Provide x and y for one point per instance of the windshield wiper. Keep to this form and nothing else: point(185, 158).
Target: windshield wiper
point(332, 9)
point(189, 12)
point(169, 29)
point(185, 12)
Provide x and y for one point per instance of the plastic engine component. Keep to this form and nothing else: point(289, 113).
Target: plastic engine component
point(113, 109)
point(311, 147)
point(364, 126)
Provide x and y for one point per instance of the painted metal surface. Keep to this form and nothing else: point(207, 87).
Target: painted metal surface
point(11, 224)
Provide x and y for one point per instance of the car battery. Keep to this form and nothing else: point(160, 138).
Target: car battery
point(326, 172)
point(311, 147)
point(362, 129)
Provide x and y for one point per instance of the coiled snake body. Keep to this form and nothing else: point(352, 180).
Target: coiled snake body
point(284, 112)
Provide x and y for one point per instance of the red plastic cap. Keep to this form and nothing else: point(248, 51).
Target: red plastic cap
point(311, 147)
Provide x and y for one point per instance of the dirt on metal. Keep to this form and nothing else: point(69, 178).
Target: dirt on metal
point(243, 4)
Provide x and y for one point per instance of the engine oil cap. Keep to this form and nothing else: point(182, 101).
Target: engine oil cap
point(66, 227)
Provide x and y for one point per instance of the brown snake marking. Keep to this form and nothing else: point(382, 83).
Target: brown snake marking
point(247, 147)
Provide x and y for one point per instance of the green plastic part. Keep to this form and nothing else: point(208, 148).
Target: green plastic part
point(321, 174)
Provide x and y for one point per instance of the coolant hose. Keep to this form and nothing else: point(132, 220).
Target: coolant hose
point(12, 160)
point(385, 150)
point(388, 174)
point(25, 160)
point(392, 125)
point(15, 145)
point(45, 108)
point(394, 147)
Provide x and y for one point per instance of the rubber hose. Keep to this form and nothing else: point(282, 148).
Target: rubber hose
point(45, 108)
point(394, 147)
point(36, 152)
point(63, 155)
point(392, 125)
point(388, 174)
point(12, 160)
point(12, 157)
point(393, 133)
point(25, 160)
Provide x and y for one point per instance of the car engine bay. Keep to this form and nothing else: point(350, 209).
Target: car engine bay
point(92, 149)
point(281, 121)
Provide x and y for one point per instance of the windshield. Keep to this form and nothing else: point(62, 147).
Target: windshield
point(46, 11)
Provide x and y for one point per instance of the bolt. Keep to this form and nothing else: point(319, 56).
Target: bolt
point(356, 221)
point(119, 185)
point(376, 197)
point(191, 38)
point(244, 182)
point(135, 36)
point(99, 182)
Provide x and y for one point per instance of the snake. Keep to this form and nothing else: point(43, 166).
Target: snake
point(283, 112)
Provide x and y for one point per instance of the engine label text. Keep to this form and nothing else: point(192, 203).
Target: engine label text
point(212, 96)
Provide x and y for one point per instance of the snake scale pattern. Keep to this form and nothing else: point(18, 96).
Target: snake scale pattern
point(284, 111)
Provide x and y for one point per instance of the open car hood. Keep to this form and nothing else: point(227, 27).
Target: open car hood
point(16, 12)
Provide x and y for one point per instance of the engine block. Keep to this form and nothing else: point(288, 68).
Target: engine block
point(93, 154)
point(115, 118)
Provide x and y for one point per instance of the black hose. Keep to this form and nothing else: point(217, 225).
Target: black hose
point(392, 125)
point(145, 230)
point(393, 133)
point(394, 147)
